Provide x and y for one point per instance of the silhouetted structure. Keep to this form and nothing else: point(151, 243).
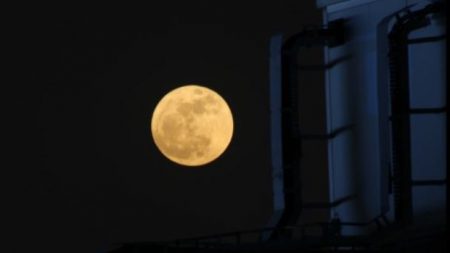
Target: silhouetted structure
point(386, 135)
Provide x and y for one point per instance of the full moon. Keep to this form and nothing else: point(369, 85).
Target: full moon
point(192, 125)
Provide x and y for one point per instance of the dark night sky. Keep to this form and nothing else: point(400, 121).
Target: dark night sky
point(86, 171)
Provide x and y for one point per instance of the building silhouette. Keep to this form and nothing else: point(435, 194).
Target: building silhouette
point(381, 138)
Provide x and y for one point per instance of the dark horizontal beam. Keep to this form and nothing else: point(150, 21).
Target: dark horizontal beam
point(434, 110)
point(427, 39)
point(429, 182)
point(321, 67)
point(331, 135)
point(327, 205)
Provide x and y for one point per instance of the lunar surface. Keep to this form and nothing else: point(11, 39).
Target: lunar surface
point(192, 125)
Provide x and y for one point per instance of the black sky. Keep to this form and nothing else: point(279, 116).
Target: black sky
point(86, 172)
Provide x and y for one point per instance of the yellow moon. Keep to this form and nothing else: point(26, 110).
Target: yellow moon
point(192, 125)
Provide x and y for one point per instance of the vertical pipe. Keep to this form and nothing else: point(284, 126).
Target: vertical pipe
point(401, 138)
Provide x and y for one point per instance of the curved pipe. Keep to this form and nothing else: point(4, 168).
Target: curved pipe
point(400, 107)
point(333, 35)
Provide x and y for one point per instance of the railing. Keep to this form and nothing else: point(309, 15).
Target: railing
point(387, 236)
point(312, 235)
